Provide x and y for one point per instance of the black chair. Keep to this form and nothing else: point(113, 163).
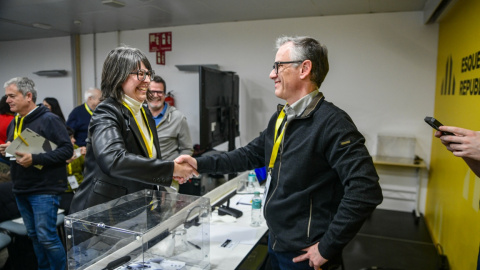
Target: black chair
point(20, 248)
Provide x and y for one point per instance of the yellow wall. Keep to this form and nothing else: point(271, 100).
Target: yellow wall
point(452, 210)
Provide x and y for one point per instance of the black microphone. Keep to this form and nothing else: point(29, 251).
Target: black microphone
point(116, 263)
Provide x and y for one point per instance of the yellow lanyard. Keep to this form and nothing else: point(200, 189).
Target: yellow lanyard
point(18, 129)
point(88, 109)
point(69, 166)
point(148, 144)
point(278, 140)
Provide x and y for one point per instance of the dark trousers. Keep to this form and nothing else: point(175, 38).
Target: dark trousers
point(39, 213)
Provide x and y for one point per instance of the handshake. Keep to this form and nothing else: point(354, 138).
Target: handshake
point(185, 168)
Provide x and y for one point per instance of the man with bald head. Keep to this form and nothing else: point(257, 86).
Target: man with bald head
point(79, 118)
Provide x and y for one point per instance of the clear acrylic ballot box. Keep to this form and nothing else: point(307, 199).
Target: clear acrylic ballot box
point(143, 230)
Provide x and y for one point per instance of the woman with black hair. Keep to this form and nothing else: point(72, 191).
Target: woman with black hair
point(6, 116)
point(53, 105)
point(123, 152)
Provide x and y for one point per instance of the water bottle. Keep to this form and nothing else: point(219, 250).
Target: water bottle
point(256, 210)
point(251, 182)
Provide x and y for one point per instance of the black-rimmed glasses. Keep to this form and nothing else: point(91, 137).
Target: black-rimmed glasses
point(142, 74)
point(157, 93)
point(277, 64)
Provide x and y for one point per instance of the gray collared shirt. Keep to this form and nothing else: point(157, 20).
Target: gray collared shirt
point(297, 108)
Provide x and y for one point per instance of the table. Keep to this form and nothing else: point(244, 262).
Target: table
point(229, 258)
point(417, 165)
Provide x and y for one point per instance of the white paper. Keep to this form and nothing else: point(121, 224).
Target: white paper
point(242, 234)
point(78, 152)
point(245, 200)
point(72, 180)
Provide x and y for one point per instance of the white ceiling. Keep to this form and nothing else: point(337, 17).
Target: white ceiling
point(18, 16)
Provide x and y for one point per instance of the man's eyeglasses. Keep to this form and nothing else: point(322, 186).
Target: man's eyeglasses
point(277, 64)
point(142, 74)
point(158, 93)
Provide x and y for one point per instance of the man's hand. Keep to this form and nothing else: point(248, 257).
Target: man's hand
point(183, 171)
point(24, 159)
point(313, 255)
point(72, 158)
point(188, 159)
point(3, 147)
point(465, 143)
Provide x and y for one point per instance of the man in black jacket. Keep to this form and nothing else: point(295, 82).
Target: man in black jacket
point(38, 179)
point(321, 183)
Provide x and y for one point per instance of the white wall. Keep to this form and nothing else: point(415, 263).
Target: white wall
point(382, 68)
point(22, 58)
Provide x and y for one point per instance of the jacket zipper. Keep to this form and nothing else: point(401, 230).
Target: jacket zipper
point(309, 220)
point(278, 180)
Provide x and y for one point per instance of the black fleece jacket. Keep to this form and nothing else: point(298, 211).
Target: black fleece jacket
point(52, 178)
point(324, 184)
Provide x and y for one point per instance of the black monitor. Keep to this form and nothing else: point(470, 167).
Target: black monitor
point(219, 108)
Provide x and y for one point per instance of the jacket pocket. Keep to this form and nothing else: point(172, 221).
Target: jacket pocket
point(108, 190)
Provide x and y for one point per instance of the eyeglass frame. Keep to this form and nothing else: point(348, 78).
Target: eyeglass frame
point(156, 93)
point(277, 64)
point(152, 74)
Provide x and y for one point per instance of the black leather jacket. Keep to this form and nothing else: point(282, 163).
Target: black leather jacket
point(117, 161)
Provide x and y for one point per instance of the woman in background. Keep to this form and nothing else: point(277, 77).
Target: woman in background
point(6, 116)
point(53, 105)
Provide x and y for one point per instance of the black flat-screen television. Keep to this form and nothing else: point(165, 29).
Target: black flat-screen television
point(219, 108)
